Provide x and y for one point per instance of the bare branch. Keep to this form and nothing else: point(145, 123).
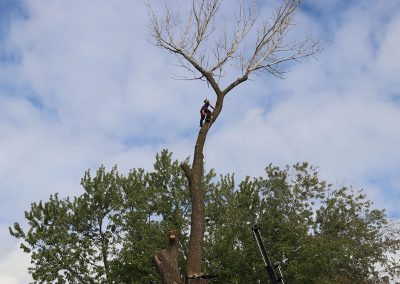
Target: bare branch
point(244, 22)
point(205, 52)
point(270, 50)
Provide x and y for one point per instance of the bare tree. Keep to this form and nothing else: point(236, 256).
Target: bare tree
point(206, 50)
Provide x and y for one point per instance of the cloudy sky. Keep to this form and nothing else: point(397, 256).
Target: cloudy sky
point(81, 86)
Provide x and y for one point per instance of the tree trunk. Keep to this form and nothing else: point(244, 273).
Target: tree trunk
point(194, 175)
point(166, 260)
point(197, 195)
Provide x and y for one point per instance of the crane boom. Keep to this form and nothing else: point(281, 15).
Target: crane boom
point(276, 277)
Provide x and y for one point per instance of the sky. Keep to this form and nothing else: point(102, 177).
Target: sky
point(81, 86)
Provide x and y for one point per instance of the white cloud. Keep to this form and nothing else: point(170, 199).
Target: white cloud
point(13, 267)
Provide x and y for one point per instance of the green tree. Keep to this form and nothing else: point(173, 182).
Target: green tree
point(109, 234)
point(318, 233)
point(73, 241)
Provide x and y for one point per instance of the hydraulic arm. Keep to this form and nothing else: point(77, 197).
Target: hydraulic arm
point(274, 271)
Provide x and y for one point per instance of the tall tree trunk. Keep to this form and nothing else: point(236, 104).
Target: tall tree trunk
point(194, 174)
point(197, 196)
point(166, 260)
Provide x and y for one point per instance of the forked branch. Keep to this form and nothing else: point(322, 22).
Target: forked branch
point(254, 45)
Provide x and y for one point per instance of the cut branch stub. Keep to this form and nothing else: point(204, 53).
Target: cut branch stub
point(166, 260)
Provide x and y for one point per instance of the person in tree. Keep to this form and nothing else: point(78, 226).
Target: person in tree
point(205, 113)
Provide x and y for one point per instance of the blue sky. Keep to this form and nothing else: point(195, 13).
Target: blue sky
point(81, 86)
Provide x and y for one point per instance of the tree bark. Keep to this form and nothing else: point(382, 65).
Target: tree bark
point(197, 195)
point(166, 260)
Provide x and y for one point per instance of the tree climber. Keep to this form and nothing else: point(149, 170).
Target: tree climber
point(205, 113)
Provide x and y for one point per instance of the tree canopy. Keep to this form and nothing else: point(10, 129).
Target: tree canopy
point(109, 234)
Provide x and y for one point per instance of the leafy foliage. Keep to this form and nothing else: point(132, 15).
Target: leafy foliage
point(317, 233)
point(110, 233)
